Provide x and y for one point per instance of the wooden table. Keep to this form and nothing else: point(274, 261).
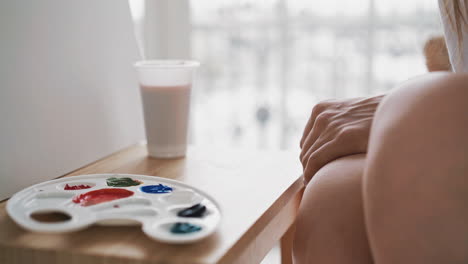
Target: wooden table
point(258, 193)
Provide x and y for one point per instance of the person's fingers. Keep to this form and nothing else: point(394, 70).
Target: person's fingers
point(328, 152)
point(318, 109)
point(328, 135)
point(319, 126)
point(307, 129)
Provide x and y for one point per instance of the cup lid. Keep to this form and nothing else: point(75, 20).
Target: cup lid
point(162, 64)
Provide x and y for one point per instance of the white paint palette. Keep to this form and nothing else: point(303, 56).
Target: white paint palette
point(158, 213)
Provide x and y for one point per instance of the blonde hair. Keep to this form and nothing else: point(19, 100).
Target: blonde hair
point(453, 9)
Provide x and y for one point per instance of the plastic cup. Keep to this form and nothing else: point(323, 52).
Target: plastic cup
point(165, 87)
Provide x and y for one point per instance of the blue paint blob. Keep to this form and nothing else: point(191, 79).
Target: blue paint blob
point(184, 228)
point(160, 188)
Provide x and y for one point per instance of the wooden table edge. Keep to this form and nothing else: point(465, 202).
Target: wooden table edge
point(270, 228)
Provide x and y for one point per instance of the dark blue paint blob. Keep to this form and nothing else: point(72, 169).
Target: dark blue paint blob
point(156, 189)
point(197, 210)
point(184, 228)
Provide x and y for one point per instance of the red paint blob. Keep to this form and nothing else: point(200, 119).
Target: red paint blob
point(101, 196)
point(76, 187)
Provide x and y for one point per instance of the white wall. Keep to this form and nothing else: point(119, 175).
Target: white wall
point(166, 29)
point(68, 94)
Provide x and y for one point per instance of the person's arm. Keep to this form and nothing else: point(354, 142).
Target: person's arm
point(340, 128)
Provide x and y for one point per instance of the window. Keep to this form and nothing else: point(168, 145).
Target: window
point(266, 63)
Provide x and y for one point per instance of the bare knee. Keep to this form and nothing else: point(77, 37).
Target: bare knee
point(331, 215)
point(416, 167)
point(426, 116)
point(441, 96)
point(423, 122)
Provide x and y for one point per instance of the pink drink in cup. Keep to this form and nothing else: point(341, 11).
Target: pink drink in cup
point(165, 92)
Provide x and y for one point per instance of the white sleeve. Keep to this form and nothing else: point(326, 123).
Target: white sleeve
point(458, 55)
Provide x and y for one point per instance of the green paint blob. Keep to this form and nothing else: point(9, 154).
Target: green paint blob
point(122, 182)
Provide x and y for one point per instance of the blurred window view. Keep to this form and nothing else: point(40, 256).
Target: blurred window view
point(266, 63)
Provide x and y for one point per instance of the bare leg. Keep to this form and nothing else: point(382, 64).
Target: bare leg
point(416, 181)
point(330, 224)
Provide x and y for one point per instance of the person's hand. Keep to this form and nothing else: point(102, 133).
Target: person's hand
point(436, 54)
point(335, 129)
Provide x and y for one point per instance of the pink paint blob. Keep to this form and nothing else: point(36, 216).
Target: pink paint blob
point(76, 187)
point(101, 196)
